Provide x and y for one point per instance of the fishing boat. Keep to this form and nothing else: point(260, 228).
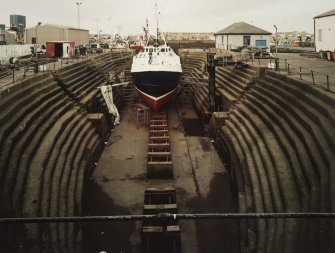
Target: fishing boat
point(156, 72)
point(118, 43)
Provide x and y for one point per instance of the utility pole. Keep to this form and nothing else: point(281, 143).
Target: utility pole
point(78, 4)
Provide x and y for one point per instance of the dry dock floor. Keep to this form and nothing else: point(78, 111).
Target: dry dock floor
point(119, 180)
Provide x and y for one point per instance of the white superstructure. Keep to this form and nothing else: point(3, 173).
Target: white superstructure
point(156, 58)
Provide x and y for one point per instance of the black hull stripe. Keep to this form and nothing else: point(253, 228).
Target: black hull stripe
point(156, 83)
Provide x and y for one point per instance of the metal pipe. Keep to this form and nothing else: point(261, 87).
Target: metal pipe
point(168, 216)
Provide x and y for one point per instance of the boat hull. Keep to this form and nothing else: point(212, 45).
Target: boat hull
point(157, 103)
point(156, 87)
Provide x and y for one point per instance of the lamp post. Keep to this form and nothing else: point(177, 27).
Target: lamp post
point(78, 4)
point(36, 41)
point(276, 45)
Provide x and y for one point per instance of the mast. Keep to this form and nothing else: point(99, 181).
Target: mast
point(146, 32)
point(156, 12)
point(158, 34)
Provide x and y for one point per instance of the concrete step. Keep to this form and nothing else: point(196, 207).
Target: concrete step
point(294, 179)
point(19, 103)
point(229, 88)
point(285, 189)
point(22, 90)
point(14, 129)
point(70, 69)
point(261, 172)
point(58, 170)
point(314, 97)
point(233, 76)
point(298, 125)
point(84, 165)
point(309, 175)
point(23, 150)
point(313, 122)
point(265, 163)
point(255, 187)
point(36, 167)
point(78, 79)
point(51, 163)
point(68, 166)
point(72, 208)
point(64, 231)
point(304, 108)
point(75, 74)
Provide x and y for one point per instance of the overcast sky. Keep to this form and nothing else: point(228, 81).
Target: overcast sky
point(128, 16)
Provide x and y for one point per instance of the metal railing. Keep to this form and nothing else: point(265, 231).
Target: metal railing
point(170, 216)
point(306, 74)
point(302, 73)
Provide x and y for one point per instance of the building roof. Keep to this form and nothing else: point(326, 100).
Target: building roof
point(63, 27)
point(242, 28)
point(326, 14)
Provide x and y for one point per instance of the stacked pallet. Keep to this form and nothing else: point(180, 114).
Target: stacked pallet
point(161, 235)
point(159, 155)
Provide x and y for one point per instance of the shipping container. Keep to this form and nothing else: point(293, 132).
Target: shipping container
point(60, 49)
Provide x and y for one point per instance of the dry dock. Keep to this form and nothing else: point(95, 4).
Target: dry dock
point(119, 180)
point(270, 150)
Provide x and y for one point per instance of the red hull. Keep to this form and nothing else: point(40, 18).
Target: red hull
point(157, 103)
point(137, 48)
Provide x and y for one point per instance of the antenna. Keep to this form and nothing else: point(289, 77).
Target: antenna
point(159, 34)
point(156, 10)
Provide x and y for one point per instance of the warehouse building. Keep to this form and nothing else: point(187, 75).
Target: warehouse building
point(40, 34)
point(241, 34)
point(324, 31)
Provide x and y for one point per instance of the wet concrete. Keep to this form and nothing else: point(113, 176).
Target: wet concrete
point(117, 187)
point(100, 236)
point(193, 127)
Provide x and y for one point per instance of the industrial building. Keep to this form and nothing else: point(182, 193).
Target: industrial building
point(19, 22)
point(324, 30)
point(40, 34)
point(241, 34)
point(7, 37)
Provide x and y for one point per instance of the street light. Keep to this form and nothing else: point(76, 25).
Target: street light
point(36, 41)
point(78, 4)
point(276, 45)
point(276, 39)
